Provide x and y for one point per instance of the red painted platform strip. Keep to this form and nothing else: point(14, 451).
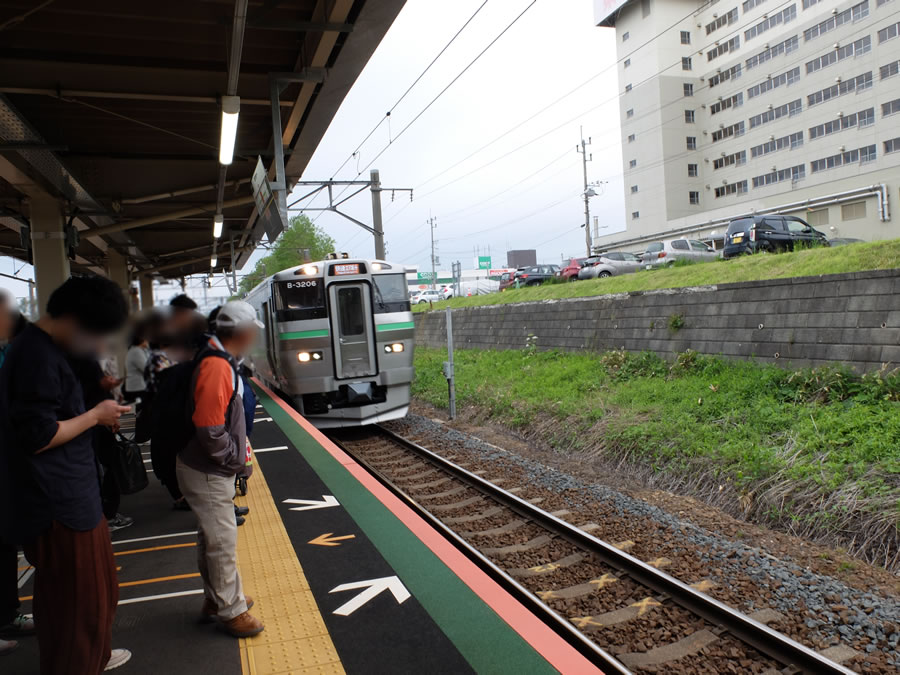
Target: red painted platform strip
point(558, 653)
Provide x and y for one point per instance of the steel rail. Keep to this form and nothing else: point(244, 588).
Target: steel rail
point(608, 664)
point(768, 641)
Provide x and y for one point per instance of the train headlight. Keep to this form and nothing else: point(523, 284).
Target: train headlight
point(396, 347)
point(303, 357)
point(306, 357)
point(309, 270)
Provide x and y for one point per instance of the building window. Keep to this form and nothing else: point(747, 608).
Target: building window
point(691, 142)
point(726, 103)
point(858, 156)
point(689, 116)
point(858, 83)
point(686, 63)
point(685, 37)
point(786, 110)
point(627, 63)
point(784, 16)
point(631, 138)
point(855, 13)
point(817, 218)
point(635, 215)
point(857, 120)
point(889, 33)
point(750, 4)
point(809, 3)
point(784, 47)
point(728, 46)
point(688, 89)
point(694, 197)
point(723, 20)
point(693, 171)
point(729, 131)
point(857, 48)
point(791, 141)
point(629, 113)
point(890, 108)
point(728, 189)
point(792, 174)
point(734, 159)
point(634, 189)
point(732, 73)
point(632, 164)
point(625, 36)
point(786, 78)
point(890, 70)
point(854, 211)
point(892, 145)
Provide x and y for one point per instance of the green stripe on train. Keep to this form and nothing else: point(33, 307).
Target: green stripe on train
point(403, 325)
point(323, 332)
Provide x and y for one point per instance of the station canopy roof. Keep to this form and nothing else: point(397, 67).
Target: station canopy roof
point(114, 109)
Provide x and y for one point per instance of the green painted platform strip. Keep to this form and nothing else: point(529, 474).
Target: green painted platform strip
point(403, 325)
point(486, 641)
point(296, 335)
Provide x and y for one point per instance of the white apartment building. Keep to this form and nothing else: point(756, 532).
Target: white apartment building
point(731, 107)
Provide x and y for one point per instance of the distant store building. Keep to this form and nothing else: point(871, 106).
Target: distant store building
point(522, 258)
point(732, 107)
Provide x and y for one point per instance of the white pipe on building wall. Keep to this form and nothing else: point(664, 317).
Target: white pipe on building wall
point(880, 190)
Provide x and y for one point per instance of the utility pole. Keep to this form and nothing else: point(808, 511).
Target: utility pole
point(432, 222)
point(375, 178)
point(585, 158)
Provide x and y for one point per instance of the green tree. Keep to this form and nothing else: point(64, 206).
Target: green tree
point(288, 251)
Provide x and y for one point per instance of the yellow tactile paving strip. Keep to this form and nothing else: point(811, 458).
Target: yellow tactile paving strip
point(295, 639)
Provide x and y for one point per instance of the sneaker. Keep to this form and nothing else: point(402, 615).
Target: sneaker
point(210, 612)
point(241, 510)
point(120, 522)
point(6, 646)
point(21, 625)
point(118, 657)
point(242, 626)
point(240, 520)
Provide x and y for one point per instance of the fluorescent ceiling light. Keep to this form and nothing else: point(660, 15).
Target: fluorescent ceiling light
point(231, 107)
point(213, 260)
point(218, 221)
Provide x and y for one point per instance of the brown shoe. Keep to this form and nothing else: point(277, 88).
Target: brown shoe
point(210, 612)
point(243, 626)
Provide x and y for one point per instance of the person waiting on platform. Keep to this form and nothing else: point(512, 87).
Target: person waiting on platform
point(213, 456)
point(53, 486)
point(135, 363)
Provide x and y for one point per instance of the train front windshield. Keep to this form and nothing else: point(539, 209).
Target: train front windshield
point(300, 300)
point(391, 293)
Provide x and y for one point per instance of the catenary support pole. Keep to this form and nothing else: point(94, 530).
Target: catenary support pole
point(449, 366)
point(376, 214)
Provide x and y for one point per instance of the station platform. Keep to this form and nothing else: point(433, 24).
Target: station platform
point(344, 575)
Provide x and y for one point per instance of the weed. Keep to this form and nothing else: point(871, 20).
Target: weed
point(676, 322)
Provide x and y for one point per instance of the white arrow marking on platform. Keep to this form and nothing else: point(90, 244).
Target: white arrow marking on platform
point(310, 504)
point(373, 588)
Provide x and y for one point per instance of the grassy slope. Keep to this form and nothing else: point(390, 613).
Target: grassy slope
point(781, 452)
point(842, 259)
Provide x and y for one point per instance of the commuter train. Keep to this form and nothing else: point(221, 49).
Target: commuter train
point(338, 340)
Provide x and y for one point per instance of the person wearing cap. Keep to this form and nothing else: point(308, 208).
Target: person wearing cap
point(208, 464)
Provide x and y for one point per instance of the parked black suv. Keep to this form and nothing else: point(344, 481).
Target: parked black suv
point(769, 234)
point(536, 274)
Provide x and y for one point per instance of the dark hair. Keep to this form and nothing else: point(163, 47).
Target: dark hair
point(182, 301)
point(19, 324)
point(97, 304)
point(139, 334)
point(211, 319)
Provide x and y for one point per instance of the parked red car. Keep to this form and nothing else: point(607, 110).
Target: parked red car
point(570, 271)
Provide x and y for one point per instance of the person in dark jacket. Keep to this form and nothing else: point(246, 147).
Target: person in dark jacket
point(50, 475)
point(207, 466)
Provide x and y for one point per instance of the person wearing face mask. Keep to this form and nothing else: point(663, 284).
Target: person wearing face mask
point(215, 453)
point(52, 480)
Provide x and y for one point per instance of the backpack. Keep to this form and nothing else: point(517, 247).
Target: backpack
point(171, 423)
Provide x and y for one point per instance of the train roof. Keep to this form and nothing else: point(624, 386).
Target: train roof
point(386, 267)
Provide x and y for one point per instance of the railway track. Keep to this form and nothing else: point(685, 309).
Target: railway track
point(628, 615)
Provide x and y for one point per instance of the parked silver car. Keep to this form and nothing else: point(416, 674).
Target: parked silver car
point(610, 264)
point(660, 253)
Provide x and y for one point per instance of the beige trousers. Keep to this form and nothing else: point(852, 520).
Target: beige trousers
point(210, 498)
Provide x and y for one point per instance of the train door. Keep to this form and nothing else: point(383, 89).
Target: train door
point(351, 328)
point(271, 338)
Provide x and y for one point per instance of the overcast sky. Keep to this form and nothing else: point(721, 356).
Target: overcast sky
point(524, 189)
point(531, 198)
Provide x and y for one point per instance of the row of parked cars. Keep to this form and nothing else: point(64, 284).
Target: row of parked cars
point(755, 234)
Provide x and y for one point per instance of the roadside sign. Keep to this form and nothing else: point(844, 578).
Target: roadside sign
point(484, 262)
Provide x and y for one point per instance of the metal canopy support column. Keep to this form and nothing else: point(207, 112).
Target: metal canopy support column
point(51, 264)
point(146, 287)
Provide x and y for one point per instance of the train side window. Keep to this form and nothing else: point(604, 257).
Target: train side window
point(300, 300)
point(351, 311)
point(390, 292)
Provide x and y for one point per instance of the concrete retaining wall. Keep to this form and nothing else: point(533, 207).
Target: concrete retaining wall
point(844, 318)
